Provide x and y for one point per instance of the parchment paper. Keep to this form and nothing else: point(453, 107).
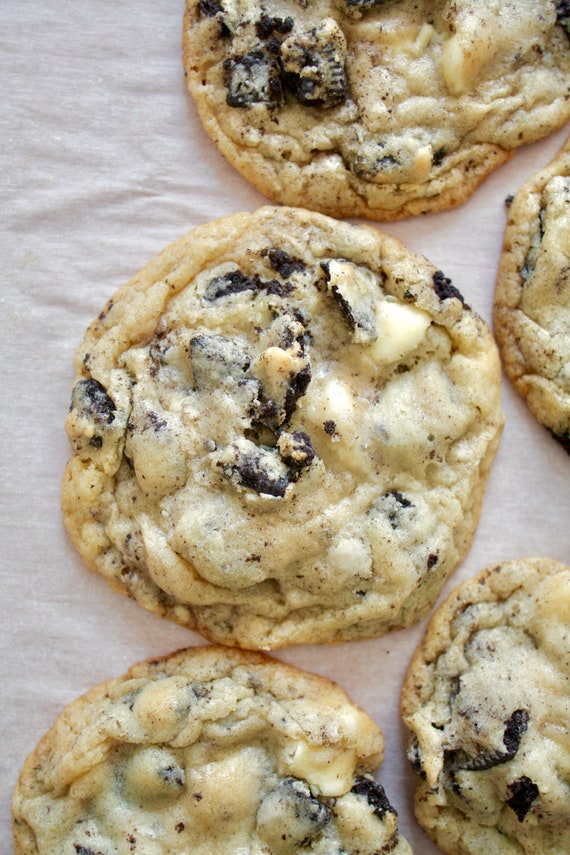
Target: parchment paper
point(103, 163)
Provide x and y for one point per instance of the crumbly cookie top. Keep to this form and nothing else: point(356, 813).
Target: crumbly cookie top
point(487, 701)
point(207, 751)
point(292, 429)
point(380, 109)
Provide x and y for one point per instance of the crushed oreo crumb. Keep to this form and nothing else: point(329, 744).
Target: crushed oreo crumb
point(258, 469)
point(298, 385)
point(284, 264)
point(253, 78)
point(314, 68)
point(90, 398)
point(296, 451)
point(524, 793)
point(374, 794)
point(233, 282)
point(444, 289)
point(266, 26)
point(392, 504)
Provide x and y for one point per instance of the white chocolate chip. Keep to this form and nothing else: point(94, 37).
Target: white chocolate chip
point(400, 329)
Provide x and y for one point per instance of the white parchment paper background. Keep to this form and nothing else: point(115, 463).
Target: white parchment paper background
point(102, 163)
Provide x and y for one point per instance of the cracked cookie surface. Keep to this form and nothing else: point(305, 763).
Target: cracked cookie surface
point(375, 109)
point(532, 295)
point(487, 702)
point(209, 751)
point(281, 432)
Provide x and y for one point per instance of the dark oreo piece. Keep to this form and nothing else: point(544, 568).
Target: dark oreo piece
point(514, 729)
point(260, 469)
point(374, 794)
point(330, 427)
point(254, 78)
point(283, 264)
point(296, 451)
point(214, 9)
point(90, 398)
point(236, 282)
point(444, 289)
point(279, 289)
point(524, 793)
point(297, 387)
point(314, 69)
point(233, 282)
point(210, 8)
point(355, 302)
point(267, 26)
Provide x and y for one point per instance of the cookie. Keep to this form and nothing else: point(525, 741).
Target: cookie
point(375, 109)
point(487, 702)
point(281, 431)
point(532, 295)
point(209, 751)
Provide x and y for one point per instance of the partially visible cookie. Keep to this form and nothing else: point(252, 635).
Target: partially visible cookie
point(210, 751)
point(375, 109)
point(532, 295)
point(281, 432)
point(487, 701)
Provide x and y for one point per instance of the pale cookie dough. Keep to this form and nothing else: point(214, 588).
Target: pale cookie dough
point(375, 109)
point(487, 701)
point(532, 295)
point(282, 428)
point(211, 752)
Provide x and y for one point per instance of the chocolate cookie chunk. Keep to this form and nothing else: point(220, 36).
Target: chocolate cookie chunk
point(210, 751)
point(376, 109)
point(486, 701)
point(281, 432)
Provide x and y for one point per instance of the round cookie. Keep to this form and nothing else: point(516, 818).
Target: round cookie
point(208, 751)
point(282, 428)
point(532, 295)
point(375, 109)
point(487, 701)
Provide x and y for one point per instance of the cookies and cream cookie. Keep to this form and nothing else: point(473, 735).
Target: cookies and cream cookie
point(210, 751)
point(487, 702)
point(375, 109)
point(532, 295)
point(281, 431)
